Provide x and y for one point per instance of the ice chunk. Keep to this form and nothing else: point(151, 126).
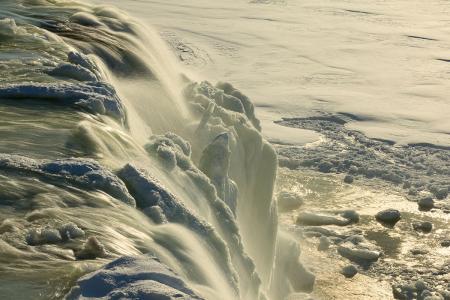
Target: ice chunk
point(425, 227)
point(51, 236)
point(426, 203)
point(71, 231)
point(324, 243)
point(357, 249)
point(91, 249)
point(156, 214)
point(348, 179)
point(171, 150)
point(246, 103)
point(349, 271)
point(46, 235)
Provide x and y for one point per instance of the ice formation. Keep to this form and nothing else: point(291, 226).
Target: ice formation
point(165, 167)
point(358, 249)
point(420, 170)
point(215, 163)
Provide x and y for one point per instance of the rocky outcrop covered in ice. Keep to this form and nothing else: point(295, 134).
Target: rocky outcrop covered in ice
point(220, 192)
point(151, 196)
point(84, 172)
point(141, 277)
point(95, 97)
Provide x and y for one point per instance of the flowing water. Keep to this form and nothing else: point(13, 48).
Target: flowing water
point(101, 130)
point(110, 147)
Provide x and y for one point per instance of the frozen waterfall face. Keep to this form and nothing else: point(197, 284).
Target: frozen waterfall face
point(120, 177)
point(215, 163)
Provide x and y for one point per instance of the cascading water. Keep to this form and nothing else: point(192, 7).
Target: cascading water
point(108, 151)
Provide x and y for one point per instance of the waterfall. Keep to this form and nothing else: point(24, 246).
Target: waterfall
point(123, 155)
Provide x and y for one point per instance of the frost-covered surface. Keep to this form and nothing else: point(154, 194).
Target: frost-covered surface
point(142, 277)
point(85, 172)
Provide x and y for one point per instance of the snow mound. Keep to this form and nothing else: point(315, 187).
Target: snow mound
point(142, 277)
